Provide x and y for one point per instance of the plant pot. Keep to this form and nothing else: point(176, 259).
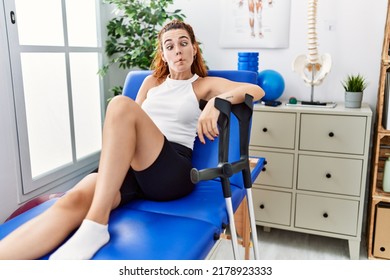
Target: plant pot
point(353, 99)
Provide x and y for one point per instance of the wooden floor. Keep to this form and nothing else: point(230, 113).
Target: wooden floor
point(287, 245)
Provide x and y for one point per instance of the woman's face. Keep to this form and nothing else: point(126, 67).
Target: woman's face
point(178, 51)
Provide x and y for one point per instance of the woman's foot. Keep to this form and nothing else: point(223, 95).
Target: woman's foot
point(86, 241)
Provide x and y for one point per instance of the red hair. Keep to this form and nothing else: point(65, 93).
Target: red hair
point(161, 70)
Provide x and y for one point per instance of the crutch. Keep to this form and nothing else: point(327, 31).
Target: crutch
point(225, 170)
point(244, 112)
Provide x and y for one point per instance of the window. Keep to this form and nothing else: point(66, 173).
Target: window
point(56, 52)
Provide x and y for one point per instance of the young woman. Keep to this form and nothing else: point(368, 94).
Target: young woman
point(140, 138)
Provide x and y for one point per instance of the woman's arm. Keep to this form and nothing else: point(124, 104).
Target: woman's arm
point(234, 92)
point(231, 91)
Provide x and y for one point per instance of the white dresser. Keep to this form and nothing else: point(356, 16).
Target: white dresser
point(316, 172)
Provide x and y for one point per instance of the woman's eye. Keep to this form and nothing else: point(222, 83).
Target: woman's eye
point(184, 43)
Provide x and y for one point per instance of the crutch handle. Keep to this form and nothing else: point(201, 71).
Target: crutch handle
point(223, 170)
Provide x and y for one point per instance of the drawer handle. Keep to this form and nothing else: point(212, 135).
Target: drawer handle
point(325, 215)
point(331, 134)
point(265, 129)
point(264, 169)
point(262, 206)
point(328, 175)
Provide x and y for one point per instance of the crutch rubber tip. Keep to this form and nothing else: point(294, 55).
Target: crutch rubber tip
point(195, 178)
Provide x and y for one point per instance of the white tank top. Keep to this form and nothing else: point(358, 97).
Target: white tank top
point(174, 108)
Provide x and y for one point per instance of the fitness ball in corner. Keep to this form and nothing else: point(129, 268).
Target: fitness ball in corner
point(272, 83)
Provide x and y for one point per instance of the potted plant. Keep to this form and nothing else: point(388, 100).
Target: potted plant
point(132, 33)
point(354, 86)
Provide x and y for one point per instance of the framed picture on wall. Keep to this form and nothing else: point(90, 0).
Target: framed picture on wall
point(255, 23)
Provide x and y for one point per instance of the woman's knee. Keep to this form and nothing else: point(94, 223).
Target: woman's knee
point(121, 110)
point(121, 104)
point(81, 196)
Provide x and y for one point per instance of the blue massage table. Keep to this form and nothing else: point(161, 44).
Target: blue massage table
point(187, 228)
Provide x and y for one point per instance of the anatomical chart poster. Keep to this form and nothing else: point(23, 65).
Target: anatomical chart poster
point(255, 23)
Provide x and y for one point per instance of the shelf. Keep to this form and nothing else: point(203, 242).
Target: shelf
point(382, 132)
point(381, 196)
point(381, 155)
point(386, 41)
point(381, 144)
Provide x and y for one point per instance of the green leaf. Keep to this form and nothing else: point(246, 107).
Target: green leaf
point(354, 83)
point(132, 34)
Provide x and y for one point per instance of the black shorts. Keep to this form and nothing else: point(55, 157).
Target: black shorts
point(166, 179)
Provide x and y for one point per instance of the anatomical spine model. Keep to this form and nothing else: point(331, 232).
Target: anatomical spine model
point(312, 68)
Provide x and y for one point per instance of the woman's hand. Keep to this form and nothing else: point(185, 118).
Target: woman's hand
point(207, 123)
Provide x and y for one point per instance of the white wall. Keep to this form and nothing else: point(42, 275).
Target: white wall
point(354, 42)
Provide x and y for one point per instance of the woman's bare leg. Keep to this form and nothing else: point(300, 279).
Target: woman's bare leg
point(42, 234)
point(125, 126)
point(130, 138)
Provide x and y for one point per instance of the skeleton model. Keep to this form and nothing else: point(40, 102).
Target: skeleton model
point(312, 68)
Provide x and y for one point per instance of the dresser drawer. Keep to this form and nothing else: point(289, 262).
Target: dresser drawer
point(272, 206)
point(330, 175)
point(331, 133)
point(326, 214)
point(271, 129)
point(277, 164)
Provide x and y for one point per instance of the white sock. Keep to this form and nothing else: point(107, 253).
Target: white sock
point(86, 241)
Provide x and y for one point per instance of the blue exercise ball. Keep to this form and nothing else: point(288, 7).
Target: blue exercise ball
point(272, 83)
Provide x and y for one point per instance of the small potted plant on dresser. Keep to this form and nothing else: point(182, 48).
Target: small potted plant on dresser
point(354, 86)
